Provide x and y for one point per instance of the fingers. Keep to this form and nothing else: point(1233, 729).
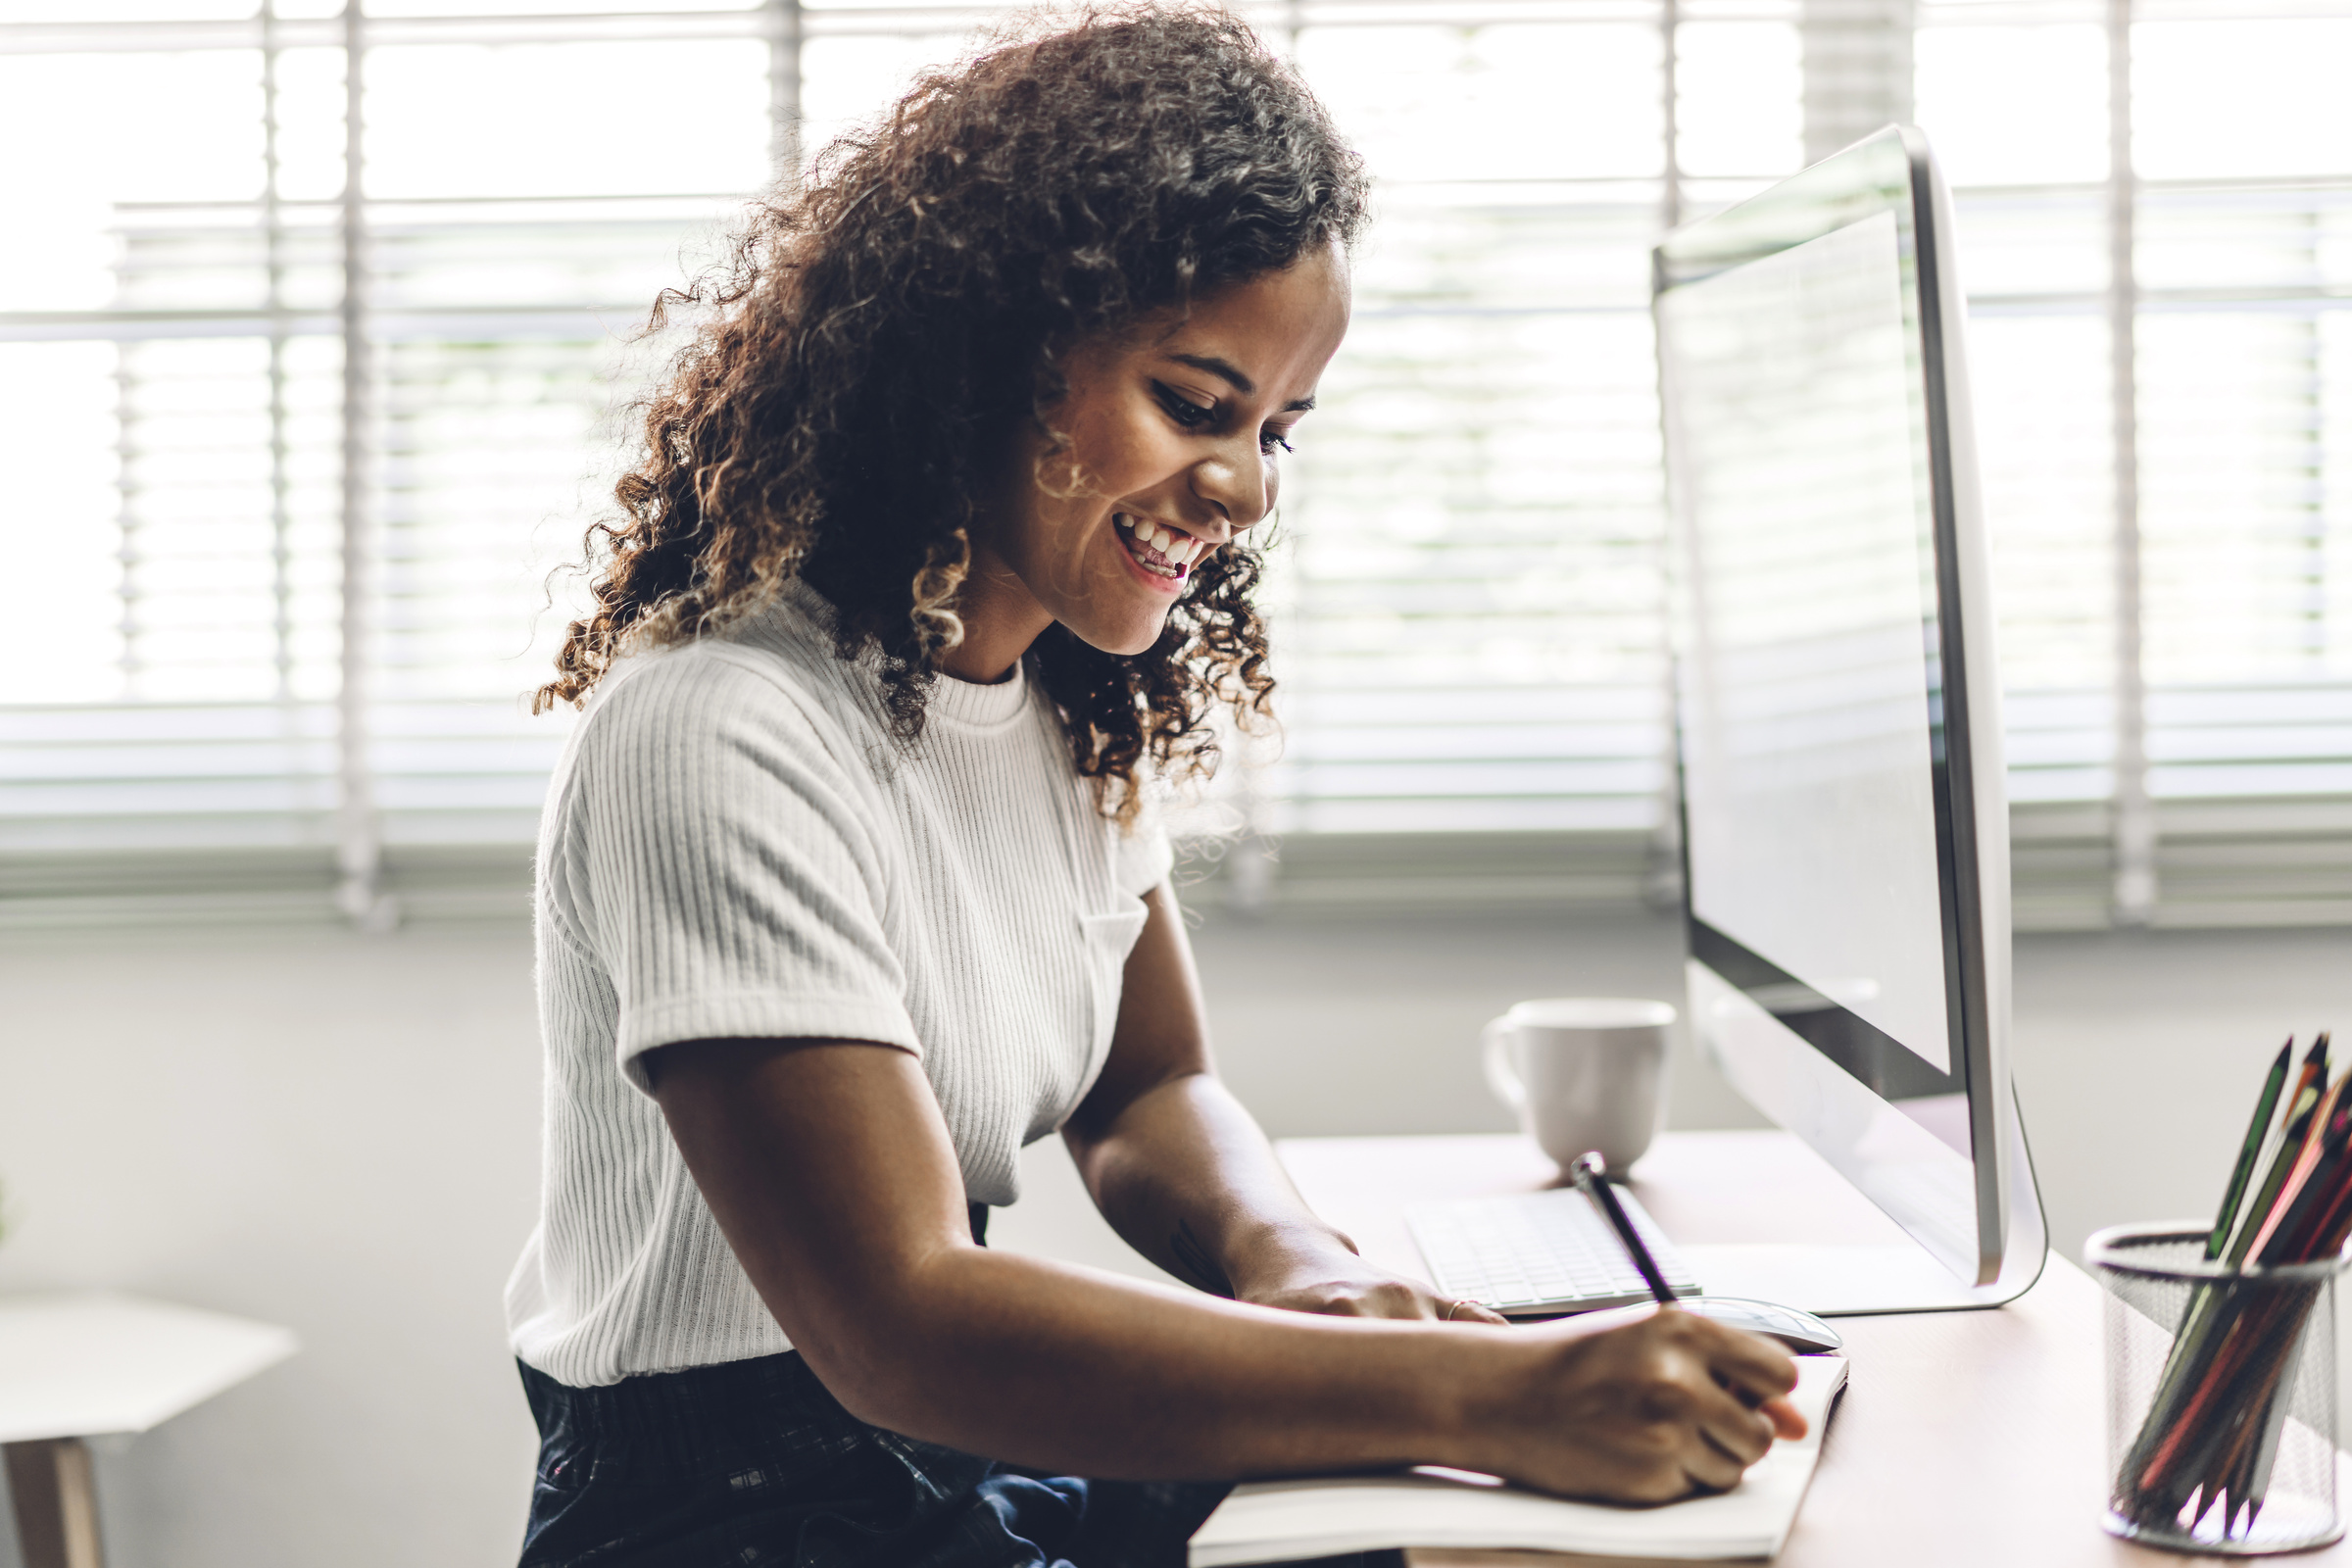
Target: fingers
point(1397, 1298)
point(1748, 1363)
point(1732, 1428)
point(1344, 1301)
point(1371, 1293)
point(1468, 1312)
point(1721, 1437)
point(1720, 1388)
point(1757, 1374)
point(1389, 1297)
point(1712, 1468)
point(1648, 1408)
point(1787, 1421)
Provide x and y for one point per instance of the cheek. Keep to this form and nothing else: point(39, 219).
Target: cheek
point(1064, 537)
point(1128, 452)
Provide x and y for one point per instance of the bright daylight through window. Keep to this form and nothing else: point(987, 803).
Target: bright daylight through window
point(296, 436)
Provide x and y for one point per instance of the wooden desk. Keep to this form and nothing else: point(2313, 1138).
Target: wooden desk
point(92, 1365)
point(1973, 1438)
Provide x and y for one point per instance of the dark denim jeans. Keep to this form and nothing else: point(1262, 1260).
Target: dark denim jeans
point(752, 1464)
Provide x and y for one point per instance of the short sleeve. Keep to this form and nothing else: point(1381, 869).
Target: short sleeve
point(733, 871)
point(1140, 856)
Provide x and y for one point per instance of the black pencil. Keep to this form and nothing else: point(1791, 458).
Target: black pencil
point(1586, 1172)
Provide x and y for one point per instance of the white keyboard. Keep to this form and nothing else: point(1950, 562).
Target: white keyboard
point(1529, 1254)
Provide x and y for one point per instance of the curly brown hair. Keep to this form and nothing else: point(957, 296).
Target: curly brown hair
point(884, 328)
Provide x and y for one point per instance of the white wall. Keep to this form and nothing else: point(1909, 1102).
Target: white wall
point(331, 1133)
point(340, 1134)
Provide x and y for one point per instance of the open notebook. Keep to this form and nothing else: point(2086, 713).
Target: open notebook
point(1283, 1520)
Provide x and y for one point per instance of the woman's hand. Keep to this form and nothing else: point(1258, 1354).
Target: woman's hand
point(1182, 1172)
point(1641, 1406)
point(1643, 1411)
point(1323, 1274)
point(830, 1168)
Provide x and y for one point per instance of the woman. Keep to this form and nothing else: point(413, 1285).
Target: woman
point(848, 889)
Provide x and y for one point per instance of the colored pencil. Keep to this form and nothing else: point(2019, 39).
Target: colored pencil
point(2257, 1131)
point(2211, 1436)
point(2310, 1083)
point(2306, 1161)
point(2190, 1340)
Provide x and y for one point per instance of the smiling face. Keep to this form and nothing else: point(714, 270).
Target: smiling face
point(1174, 432)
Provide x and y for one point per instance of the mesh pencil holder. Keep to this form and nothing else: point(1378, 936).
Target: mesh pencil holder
point(2221, 1395)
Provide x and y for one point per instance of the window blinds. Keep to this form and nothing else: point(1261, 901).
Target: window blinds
point(2155, 394)
point(292, 592)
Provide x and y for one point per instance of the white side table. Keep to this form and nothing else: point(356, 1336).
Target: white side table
point(87, 1364)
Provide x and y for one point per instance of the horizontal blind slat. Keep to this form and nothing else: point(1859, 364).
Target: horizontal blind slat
point(1466, 609)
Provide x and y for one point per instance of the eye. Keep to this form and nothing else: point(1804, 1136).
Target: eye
point(1268, 440)
point(1183, 410)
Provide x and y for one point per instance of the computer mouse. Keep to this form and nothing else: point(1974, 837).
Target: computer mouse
point(1802, 1331)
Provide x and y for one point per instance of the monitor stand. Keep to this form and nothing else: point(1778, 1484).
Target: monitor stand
point(1830, 1281)
point(1900, 1248)
point(1758, 1215)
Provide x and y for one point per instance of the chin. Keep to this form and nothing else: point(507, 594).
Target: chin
point(1125, 640)
point(1128, 647)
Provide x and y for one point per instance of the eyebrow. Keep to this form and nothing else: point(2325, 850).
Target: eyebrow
point(1227, 370)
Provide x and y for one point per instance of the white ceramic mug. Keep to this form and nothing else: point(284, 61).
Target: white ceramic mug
point(1584, 1073)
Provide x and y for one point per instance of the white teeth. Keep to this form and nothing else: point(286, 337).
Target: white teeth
point(1136, 552)
point(1179, 550)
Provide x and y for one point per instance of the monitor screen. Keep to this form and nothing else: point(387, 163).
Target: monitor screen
point(1808, 685)
point(1837, 697)
point(1811, 697)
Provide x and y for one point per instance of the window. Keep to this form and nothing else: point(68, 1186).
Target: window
point(295, 453)
point(2156, 389)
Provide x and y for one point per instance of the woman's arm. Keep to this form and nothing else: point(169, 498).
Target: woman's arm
point(830, 1171)
point(1184, 1173)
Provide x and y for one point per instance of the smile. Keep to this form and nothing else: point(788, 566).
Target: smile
point(1161, 551)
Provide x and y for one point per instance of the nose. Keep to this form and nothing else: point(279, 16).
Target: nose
point(1237, 480)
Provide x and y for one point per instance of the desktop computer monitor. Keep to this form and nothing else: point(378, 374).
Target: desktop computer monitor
point(1845, 817)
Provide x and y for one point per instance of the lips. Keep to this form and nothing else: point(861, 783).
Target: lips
point(1159, 549)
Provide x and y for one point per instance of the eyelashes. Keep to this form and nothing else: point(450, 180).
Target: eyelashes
point(1183, 410)
point(1190, 415)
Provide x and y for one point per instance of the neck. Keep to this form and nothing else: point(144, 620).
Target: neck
point(1000, 619)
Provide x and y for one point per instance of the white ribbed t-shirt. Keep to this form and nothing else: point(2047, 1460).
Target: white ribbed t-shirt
point(735, 847)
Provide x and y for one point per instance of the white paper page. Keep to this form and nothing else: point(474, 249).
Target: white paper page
point(1280, 1521)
